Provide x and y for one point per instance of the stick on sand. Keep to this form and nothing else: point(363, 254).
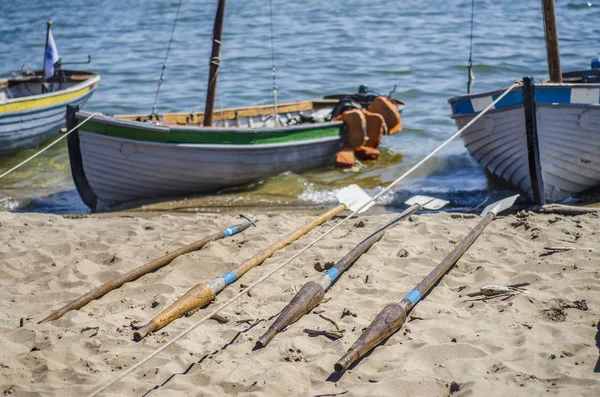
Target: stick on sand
point(140, 271)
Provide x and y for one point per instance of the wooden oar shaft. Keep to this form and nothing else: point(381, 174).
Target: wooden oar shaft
point(393, 316)
point(312, 293)
point(202, 294)
point(266, 254)
point(364, 245)
point(140, 271)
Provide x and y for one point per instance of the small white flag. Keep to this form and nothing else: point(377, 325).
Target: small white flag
point(51, 57)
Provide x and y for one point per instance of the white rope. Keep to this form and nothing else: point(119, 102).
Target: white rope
point(49, 146)
point(260, 280)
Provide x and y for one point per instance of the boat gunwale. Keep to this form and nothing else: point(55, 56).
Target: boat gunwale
point(225, 146)
point(542, 85)
point(160, 116)
point(142, 125)
point(94, 78)
point(491, 111)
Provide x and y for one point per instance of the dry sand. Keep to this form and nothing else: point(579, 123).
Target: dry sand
point(529, 344)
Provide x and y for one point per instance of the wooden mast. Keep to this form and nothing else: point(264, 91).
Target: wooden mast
point(215, 62)
point(552, 41)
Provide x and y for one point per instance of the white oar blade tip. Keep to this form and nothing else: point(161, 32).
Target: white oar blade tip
point(426, 202)
point(353, 197)
point(500, 206)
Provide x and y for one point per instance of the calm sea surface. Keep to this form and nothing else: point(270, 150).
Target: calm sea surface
point(321, 47)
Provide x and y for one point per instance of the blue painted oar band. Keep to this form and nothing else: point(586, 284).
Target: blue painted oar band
point(332, 273)
point(230, 231)
point(229, 277)
point(413, 296)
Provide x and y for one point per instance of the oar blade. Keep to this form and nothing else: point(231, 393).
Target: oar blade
point(500, 206)
point(354, 198)
point(426, 202)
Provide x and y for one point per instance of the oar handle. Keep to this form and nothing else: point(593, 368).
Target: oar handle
point(309, 296)
point(200, 295)
point(388, 321)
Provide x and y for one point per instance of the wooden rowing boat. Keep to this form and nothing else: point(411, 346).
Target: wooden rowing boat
point(28, 116)
point(542, 138)
point(123, 158)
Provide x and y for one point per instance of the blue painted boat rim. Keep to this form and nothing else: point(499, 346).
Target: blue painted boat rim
point(218, 146)
point(491, 111)
point(463, 98)
point(547, 94)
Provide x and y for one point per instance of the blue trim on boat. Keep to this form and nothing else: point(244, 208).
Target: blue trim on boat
point(511, 99)
point(462, 107)
point(413, 296)
point(229, 277)
point(544, 94)
point(552, 95)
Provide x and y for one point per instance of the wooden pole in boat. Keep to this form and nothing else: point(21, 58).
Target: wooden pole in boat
point(49, 24)
point(391, 318)
point(140, 271)
point(200, 295)
point(552, 41)
point(312, 293)
point(215, 63)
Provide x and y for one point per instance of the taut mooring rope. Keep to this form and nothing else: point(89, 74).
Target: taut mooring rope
point(49, 146)
point(275, 270)
point(164, 66)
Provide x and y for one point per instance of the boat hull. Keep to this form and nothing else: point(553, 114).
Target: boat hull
point(27, 122)
point(566, 129)
point(115, 161)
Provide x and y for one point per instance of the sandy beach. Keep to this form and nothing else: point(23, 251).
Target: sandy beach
point(539, 342)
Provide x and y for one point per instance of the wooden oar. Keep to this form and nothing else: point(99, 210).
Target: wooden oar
point(149, 267)
point(351, 197)
point(312, 293)
point(391, 318)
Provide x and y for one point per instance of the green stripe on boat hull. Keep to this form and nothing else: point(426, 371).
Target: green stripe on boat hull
point(198, 135)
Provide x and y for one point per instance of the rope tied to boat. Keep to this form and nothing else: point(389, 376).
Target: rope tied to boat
point(315, 241)
point(164, 66)
point(49, 146)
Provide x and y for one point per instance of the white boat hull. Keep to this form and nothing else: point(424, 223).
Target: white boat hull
point(115, 161)
point(120, 170)
point(567, 127)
